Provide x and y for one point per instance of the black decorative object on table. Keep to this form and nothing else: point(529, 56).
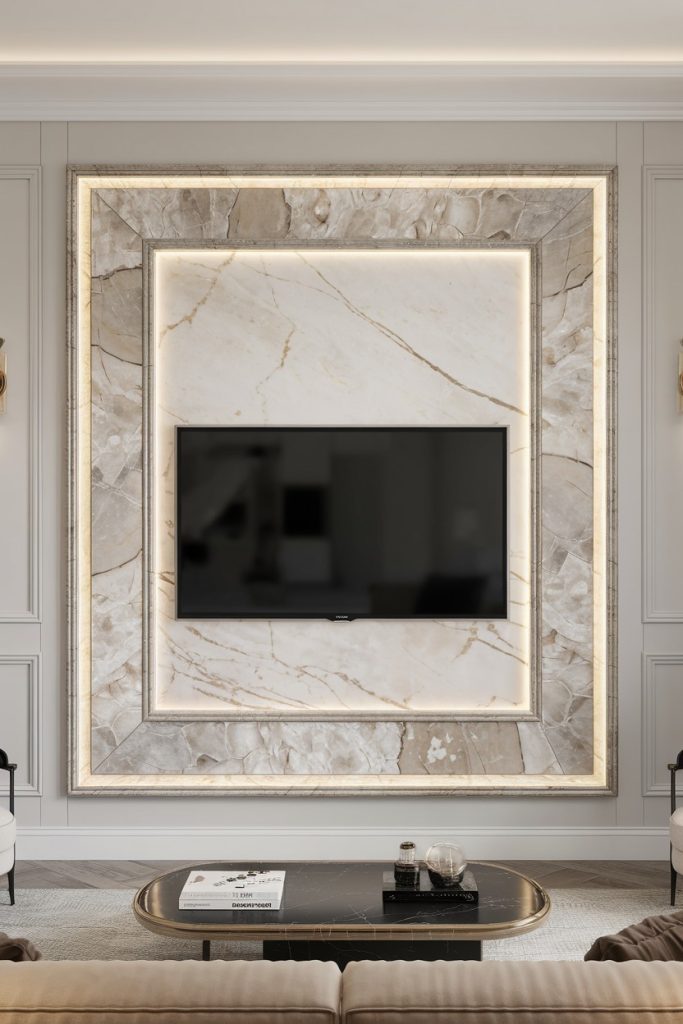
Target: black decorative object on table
point(465, 891)
point(7, 766)
point(406, 869)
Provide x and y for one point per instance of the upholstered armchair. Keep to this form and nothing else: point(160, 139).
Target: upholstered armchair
point(675, 829)
point(8, 828)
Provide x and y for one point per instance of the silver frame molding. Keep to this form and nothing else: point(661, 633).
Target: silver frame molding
point(83, 778)
point(150, 712)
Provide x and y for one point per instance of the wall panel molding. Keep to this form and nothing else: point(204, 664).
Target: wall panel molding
point(651, 757)
point(31, 174)
point(34, 785)
point(651, 611)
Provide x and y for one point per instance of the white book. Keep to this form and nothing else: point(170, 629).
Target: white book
point(232, 890)
point(233, 905)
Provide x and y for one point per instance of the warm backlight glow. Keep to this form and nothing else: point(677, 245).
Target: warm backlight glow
point(84, 776)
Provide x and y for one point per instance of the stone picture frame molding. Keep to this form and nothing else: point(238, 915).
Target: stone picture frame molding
point(149, 249)
point(390, 785)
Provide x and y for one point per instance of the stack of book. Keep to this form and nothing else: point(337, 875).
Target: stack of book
point(232, 890)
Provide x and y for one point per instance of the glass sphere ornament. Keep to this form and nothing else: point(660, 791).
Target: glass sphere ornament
point(445, 863)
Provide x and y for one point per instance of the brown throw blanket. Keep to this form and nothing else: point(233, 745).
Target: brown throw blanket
point(655, 938)
point(17, 949)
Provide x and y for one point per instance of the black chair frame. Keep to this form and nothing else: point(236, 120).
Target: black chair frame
point(673, 768)
point(6, 765)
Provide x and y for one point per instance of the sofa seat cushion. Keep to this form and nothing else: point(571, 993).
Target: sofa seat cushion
point(496, 992)
point(170, 992)
point(676, 828)
point(655, 938)
point(8, 829)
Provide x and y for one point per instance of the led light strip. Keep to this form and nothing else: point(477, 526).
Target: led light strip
point(602, 425)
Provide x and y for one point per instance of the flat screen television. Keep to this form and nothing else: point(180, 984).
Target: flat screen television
point(341, 522)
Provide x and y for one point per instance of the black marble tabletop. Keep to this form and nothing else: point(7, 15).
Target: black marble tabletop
point(344, 900)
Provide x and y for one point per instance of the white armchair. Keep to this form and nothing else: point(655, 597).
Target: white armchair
point(675, 830)
point(8, 829)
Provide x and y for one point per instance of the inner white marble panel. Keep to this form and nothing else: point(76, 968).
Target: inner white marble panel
point(340, 337)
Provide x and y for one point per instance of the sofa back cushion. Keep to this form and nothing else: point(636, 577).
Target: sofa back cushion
point(512, 992)
point(169, 992)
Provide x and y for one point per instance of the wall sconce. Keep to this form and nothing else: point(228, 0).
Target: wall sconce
point(3, 377)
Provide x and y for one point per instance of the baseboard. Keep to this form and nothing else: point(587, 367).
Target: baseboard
point(358, 843)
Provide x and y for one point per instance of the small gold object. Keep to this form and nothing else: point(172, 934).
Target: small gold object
point(3, 377)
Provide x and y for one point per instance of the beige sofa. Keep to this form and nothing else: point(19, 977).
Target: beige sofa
point(257, 992)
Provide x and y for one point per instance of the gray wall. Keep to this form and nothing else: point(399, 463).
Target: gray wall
point(32, 456)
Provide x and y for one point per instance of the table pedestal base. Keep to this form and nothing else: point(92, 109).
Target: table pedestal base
point(344, 952)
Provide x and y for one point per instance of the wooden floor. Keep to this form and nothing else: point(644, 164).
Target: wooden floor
point(130, 874)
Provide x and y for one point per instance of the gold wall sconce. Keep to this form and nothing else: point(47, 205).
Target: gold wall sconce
point(3, 377)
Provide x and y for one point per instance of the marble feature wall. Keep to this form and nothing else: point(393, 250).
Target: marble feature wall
point(210, 299)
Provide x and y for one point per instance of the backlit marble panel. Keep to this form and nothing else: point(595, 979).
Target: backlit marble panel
point(321, 337)
point(396, 372)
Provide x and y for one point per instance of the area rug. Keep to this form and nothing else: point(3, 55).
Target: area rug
point(98, 924)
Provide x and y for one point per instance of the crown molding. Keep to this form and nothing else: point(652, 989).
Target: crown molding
point(284, 91)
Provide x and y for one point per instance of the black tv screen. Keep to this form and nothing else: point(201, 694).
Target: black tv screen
point(341, 522)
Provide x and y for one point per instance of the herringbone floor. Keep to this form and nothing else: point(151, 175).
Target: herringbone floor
point(130, 874)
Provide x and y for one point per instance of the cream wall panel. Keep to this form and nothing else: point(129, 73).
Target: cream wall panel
point(54, 158)
point(19, 142)
point(663, 637)
point(19, 637)
point(663, 423)
point(663, 142)
point(662, 719)
point(342, 143)
point(629, 154)
point(656, 815)
point(19, 426)
point(20, 729)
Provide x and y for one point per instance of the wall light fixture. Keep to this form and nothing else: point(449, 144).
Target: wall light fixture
point(3, 377)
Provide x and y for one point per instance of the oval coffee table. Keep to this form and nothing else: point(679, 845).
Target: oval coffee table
point(334, 911)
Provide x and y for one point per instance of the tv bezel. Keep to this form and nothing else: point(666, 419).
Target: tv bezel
point(342, 617)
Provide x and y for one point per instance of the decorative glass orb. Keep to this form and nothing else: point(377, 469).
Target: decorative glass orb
point(445, 864)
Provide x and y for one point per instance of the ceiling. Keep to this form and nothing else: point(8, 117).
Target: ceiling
point(350, 30)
